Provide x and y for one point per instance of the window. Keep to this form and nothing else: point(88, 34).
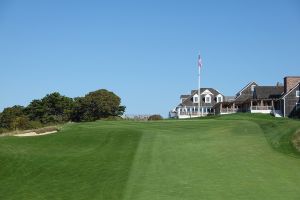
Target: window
point(298, 93)
point(297, 106)
point(252, 88)
point(195, 98)
point(207, 98)
point(219, 98)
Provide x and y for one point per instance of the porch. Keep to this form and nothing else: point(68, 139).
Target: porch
point(191, 112)
point(266, 106)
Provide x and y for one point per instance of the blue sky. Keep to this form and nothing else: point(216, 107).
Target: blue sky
point(144, 51)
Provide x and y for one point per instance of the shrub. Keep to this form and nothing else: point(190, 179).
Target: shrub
point(155, 117)
point(3, 130)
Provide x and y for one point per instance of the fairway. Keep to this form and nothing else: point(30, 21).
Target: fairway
point(230, 157)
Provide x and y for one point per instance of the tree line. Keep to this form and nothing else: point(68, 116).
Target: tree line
point(55, 108)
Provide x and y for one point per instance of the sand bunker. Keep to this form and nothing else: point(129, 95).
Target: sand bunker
point(34, 134)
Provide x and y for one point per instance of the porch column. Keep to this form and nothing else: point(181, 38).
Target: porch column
point(251, 104)
point(272, 103)
point(220, 108)
point(262, 102)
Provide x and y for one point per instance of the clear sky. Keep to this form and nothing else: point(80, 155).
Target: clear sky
point(144, 51)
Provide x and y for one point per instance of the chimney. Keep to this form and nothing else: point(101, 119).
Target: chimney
point(290, 82)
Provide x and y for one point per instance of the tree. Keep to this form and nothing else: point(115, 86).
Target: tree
point(96, 105)
point(52, 108)
point(13, 118)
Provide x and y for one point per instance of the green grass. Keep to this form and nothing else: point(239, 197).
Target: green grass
point(230, 157)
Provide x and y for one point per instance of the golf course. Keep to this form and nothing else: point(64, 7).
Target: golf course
point(240, 156)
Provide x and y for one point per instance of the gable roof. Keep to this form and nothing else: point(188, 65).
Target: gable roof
point(284, 95)
point(246, 86)
point(213, 91)
point(245, 96)
point(189, 102)
point(268, 92)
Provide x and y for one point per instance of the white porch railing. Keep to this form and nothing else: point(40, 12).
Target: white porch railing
point(261, 108)
point(229, 110)
point(193, 113)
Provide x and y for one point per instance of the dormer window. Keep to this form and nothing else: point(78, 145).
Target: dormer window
point(195, 98)
point(207, 98)
point(219, 98)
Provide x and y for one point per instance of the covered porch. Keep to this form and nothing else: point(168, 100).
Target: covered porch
point(190, 112)
point(223, 108)
point(266, 106)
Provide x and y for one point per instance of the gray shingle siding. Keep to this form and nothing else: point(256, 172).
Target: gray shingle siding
point(290, 101)
point(245, 93)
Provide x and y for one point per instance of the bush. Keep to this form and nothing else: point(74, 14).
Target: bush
point(155, 117)
point(3, 130)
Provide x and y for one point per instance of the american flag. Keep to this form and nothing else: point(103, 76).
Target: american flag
point(199, 61)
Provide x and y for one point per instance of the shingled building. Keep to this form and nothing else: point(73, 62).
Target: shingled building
point(277, 100)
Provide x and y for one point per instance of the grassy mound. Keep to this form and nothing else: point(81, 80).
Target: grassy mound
point(230, 157)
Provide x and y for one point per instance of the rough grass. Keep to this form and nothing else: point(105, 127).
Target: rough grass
point(296, 140)
point(230, 157)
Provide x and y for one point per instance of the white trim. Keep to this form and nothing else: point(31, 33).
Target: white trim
point(297, 93)
point(284, 107)
point(209, 98)
point(206, 92)
point(219, 95)
point(283, 97)
point(195, 96)
point(246, 87)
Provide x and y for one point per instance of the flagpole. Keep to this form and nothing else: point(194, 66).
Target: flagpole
point(199, 95)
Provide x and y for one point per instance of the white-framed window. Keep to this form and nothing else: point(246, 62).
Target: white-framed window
point(207, 98)
point(195, 98)
point(252, 88)
point(219, 98)
point(297, 93)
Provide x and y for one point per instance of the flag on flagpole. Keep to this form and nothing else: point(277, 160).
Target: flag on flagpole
point(199, 61)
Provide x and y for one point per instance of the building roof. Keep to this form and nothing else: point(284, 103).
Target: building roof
point(246, 87)
point(229, 98)
point(212, 90)
point(285, 94)
point(184, 96)
point(242, 96)
point(268, 92)
point(189, 100)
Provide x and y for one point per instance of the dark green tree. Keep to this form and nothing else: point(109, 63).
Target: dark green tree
point(96, 105)
point(53, 108)
point(13, 118)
